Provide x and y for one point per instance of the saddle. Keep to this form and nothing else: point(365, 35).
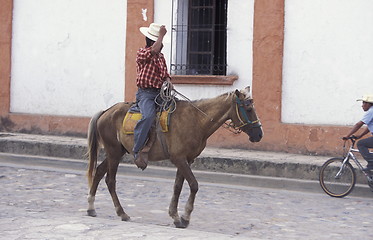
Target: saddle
point(133, 116)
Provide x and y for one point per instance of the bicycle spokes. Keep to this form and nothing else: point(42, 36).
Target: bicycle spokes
point(341, 170)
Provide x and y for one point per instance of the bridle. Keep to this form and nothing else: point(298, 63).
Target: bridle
point(241, 111)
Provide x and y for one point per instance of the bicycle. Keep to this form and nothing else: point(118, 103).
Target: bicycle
point(337, 176)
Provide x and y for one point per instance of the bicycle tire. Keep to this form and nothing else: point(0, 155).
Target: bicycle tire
point(337, 186)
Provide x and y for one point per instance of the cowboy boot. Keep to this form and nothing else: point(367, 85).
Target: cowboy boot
point(142, 158)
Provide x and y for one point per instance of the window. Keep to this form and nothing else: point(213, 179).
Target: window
point(199, 37)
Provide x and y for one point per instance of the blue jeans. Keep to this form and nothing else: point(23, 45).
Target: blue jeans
point(145, 98)
point(363, 145)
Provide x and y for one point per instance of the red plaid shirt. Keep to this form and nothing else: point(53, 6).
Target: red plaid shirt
point(151, 70)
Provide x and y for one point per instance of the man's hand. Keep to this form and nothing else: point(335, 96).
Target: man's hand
point(157, 46)
point(162, 30)
point(348, 137)
point(169, 83)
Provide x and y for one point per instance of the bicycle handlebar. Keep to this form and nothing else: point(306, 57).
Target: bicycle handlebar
point(353, 139)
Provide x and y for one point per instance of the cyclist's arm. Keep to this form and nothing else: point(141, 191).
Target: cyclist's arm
point(354, 129)
point(366, 130)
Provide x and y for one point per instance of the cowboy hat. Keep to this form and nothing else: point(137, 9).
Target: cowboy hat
point(367, 98)
point(151, 32)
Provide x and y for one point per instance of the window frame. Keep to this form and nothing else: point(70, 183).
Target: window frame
point(195, 79)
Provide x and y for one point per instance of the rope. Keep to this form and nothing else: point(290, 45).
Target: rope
point(166, 97)
point(168, 94)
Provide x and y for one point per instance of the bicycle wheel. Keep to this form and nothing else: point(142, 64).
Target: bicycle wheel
point(337, 182)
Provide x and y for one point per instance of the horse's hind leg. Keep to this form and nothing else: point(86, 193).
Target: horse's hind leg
point(111, 183)
point(100, 172)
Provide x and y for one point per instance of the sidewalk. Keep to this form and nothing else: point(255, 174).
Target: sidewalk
point(238, 161)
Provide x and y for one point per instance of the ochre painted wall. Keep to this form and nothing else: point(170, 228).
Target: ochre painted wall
point(5, 48)
point(135, 40)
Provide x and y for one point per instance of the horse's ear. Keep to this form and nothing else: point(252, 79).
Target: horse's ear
point(237, 93)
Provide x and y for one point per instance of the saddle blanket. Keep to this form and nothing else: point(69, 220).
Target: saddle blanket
point(131, 119)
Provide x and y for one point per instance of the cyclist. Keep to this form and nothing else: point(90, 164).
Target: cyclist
point(366, 143)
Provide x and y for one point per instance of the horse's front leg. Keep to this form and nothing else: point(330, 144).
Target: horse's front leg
point(185, 171)
point(172, 210)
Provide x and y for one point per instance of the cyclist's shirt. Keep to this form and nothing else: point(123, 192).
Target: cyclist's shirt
point(368, 119)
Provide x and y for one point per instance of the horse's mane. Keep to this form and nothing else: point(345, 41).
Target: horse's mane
point(206, 103)
point(224, 97)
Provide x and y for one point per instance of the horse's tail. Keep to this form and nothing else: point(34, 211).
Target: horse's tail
point(93, 146)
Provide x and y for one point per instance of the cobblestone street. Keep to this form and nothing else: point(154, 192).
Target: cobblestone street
point(51, 204)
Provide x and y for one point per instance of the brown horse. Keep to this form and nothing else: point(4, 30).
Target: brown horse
point(190, 126)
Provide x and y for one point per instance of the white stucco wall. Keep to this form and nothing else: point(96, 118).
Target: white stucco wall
point(328, 56)
point(67, 56)
point(239, 48)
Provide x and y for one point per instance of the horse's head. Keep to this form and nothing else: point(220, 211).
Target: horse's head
point(245, 117)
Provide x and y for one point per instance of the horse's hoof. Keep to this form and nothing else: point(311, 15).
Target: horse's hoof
point(142, 167)
point(182, 223)
point(91, 213)
point(125, 217)
point(179, 225)
point(141, 160)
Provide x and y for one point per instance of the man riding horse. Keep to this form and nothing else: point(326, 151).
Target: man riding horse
point(151, 73)
point(193, 122)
